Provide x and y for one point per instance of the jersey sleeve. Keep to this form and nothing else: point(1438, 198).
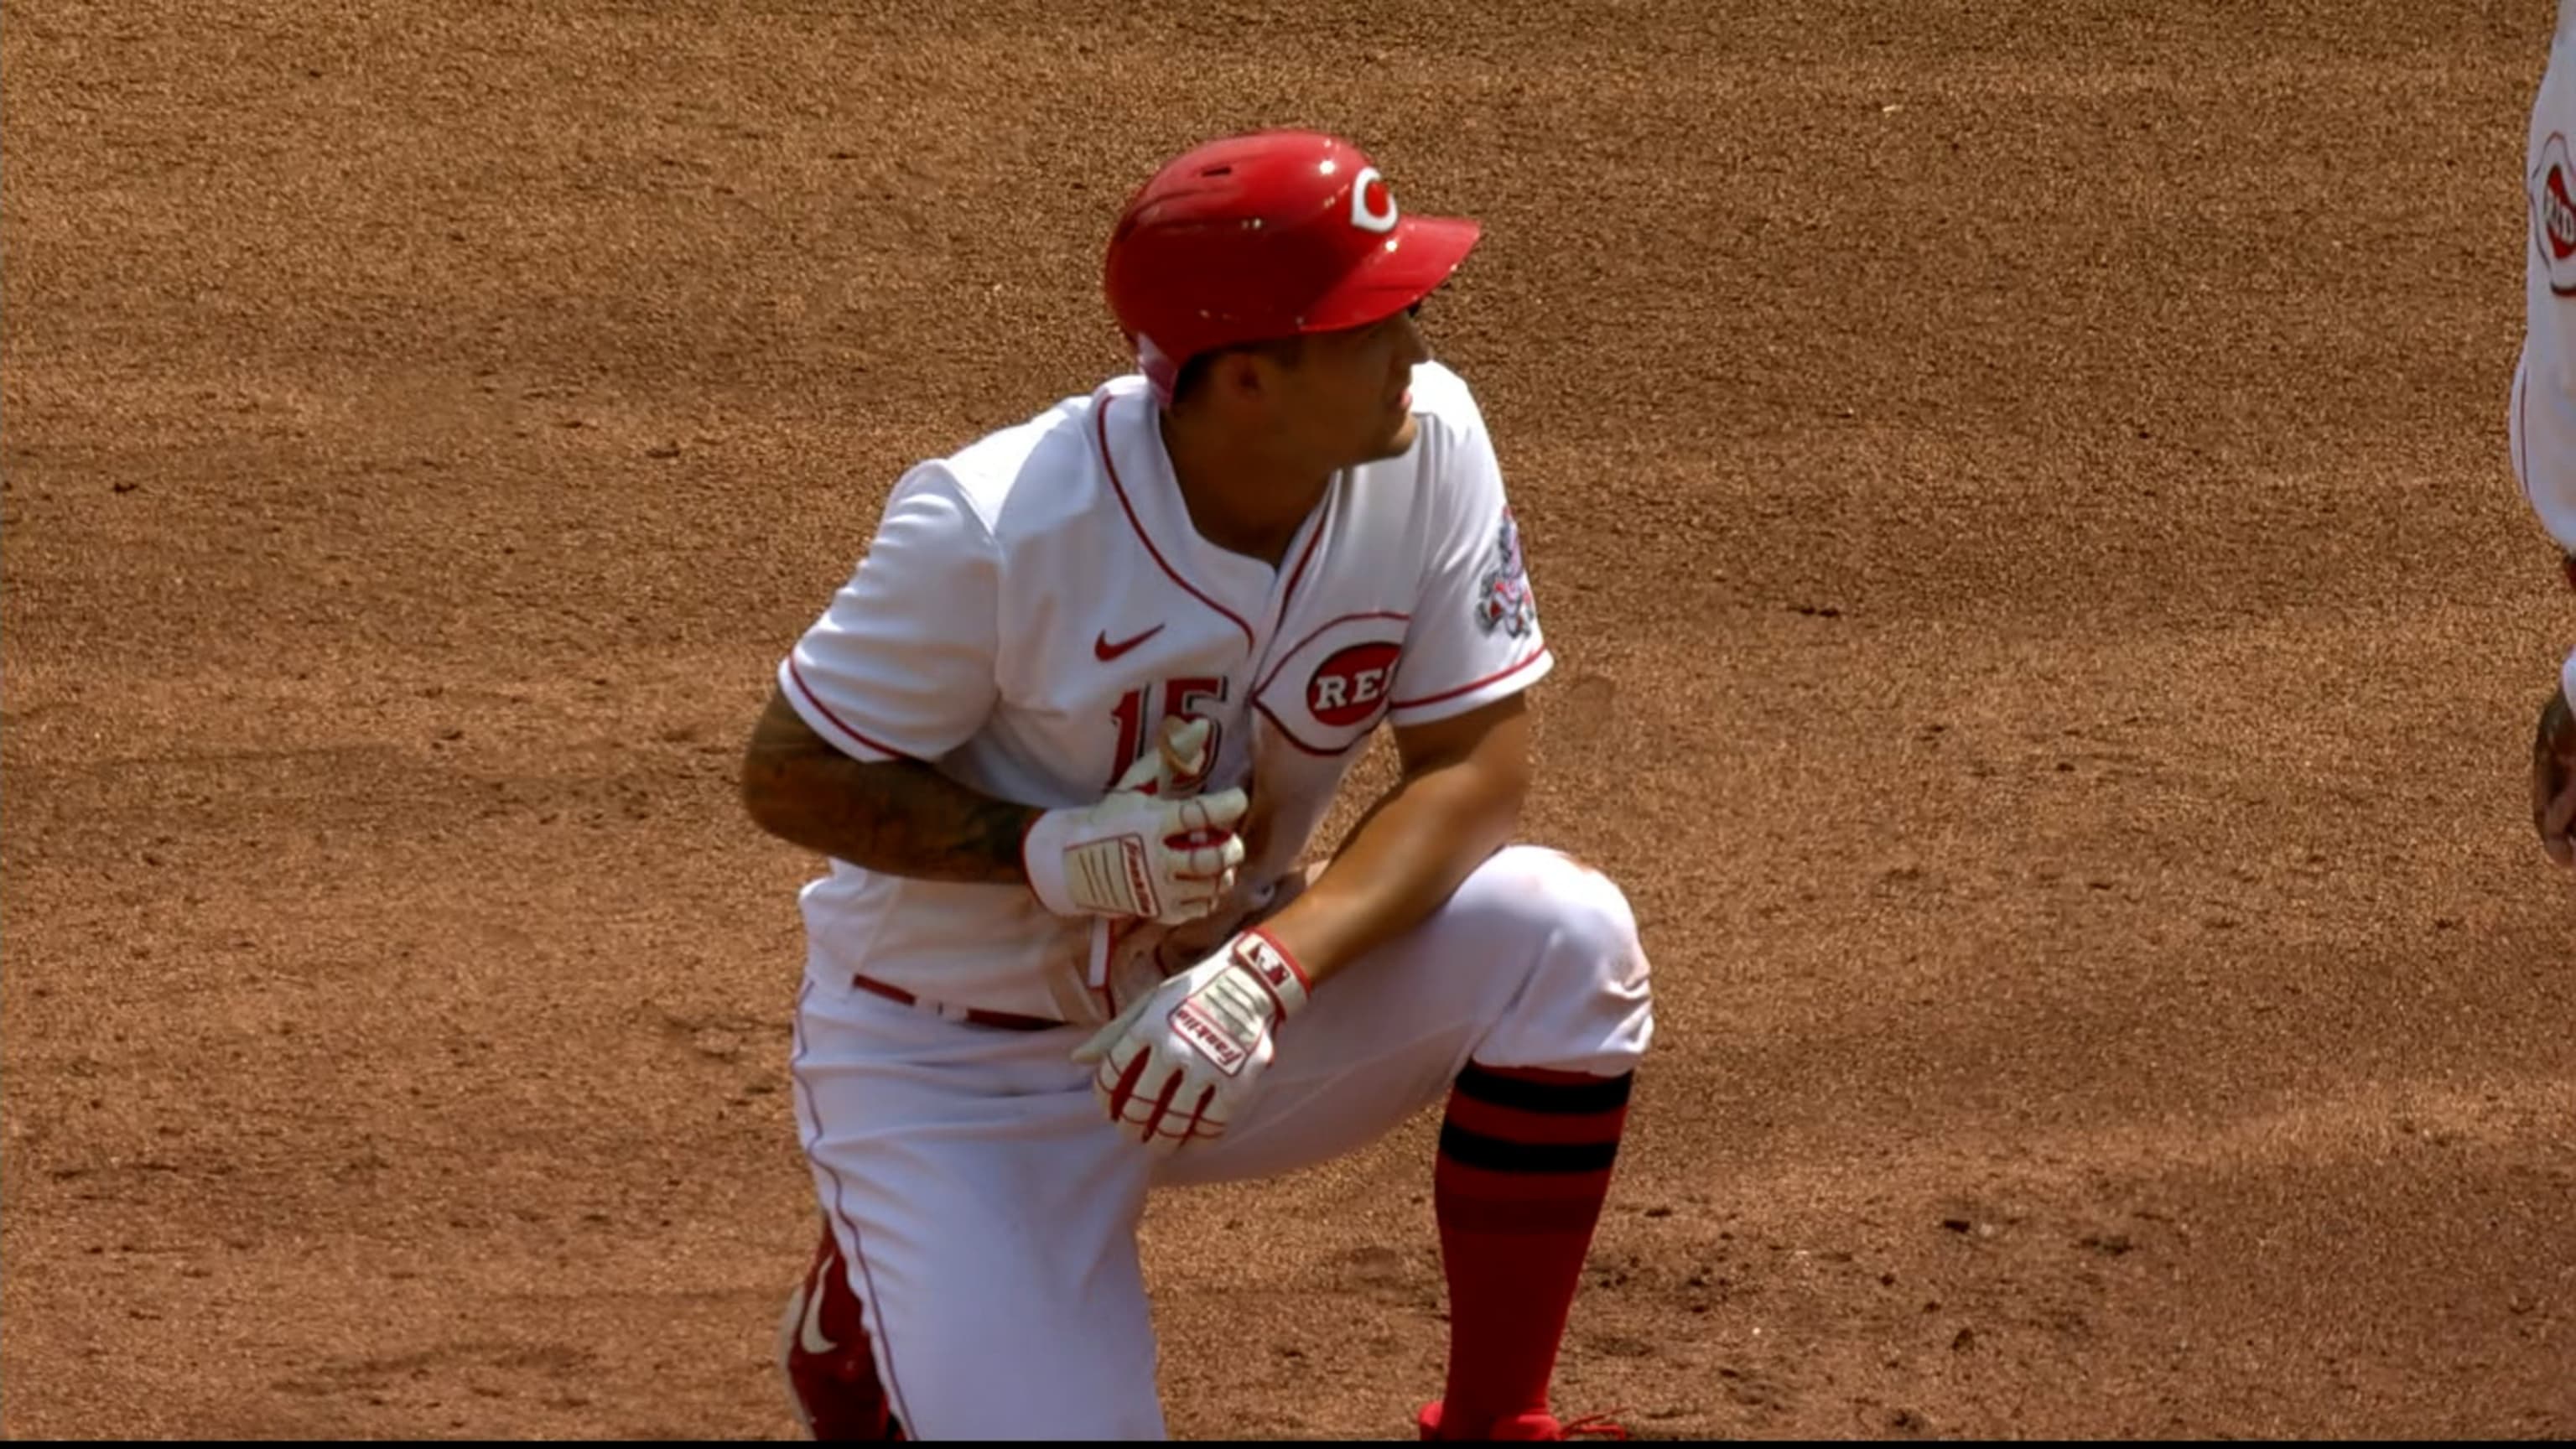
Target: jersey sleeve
point(901, 665)
point(1474, 636)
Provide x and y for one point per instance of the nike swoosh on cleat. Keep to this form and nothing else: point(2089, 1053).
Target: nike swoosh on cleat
point(809, 1334)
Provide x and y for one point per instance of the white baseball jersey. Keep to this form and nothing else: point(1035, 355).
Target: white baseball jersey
point(1033, 606)
point(2543, 417)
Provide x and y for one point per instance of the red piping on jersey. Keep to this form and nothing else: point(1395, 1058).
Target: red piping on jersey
point(1471, 688)
point(1290, 595)
point(838, 723)
point(1102, 419)
point(1273, 676)
point(1304, 748)
point(2522, 433)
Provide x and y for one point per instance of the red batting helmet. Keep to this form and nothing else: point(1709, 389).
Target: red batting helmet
point(1264, 236)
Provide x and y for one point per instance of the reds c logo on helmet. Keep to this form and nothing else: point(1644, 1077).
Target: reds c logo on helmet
point(1372, 205)
point(1263, 236)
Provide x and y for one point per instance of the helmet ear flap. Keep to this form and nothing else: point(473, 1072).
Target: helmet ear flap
point(1161, 372)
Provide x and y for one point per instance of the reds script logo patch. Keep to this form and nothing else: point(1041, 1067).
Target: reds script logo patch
point(1350, 687)
point(1326, 694)
point(1503, 601)
point(2553, 216)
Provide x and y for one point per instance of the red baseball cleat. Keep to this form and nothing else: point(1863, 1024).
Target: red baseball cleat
point(824, 1353)
point(1523, 1428)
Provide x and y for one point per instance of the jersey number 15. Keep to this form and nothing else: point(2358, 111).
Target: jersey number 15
point(1181, 700)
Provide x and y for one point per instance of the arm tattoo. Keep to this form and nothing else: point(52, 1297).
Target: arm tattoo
point(897, 816)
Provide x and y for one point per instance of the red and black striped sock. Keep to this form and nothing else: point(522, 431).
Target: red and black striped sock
point(1525, 1159)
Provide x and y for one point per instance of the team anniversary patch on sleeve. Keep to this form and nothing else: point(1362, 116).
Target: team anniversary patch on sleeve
point(1503, 602)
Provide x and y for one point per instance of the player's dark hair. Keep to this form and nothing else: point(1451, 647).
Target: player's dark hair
point(1193, 376)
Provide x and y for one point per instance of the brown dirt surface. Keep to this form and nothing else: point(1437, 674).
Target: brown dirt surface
point(2047, 636)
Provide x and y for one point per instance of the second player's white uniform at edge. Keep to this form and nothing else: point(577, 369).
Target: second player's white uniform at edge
point(2543, 415)
point(1031, 608)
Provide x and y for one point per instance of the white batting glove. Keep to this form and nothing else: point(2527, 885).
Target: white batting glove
point(1140, 852)
point(1176, 1064)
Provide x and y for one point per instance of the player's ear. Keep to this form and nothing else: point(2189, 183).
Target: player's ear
point(1245, 376)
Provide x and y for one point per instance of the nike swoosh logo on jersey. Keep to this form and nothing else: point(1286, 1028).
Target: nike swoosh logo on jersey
point(1104, 651)
point(809, 1334)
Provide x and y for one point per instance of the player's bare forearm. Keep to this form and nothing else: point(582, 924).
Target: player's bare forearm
point(897, 816)
point(1458, 802)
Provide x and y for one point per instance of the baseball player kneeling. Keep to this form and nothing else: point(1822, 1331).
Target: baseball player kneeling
point(1065, 736)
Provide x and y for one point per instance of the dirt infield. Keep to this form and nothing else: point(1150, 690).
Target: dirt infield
point(2047, 635)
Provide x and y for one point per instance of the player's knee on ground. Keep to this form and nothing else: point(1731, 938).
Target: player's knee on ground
point(1585, 1003)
